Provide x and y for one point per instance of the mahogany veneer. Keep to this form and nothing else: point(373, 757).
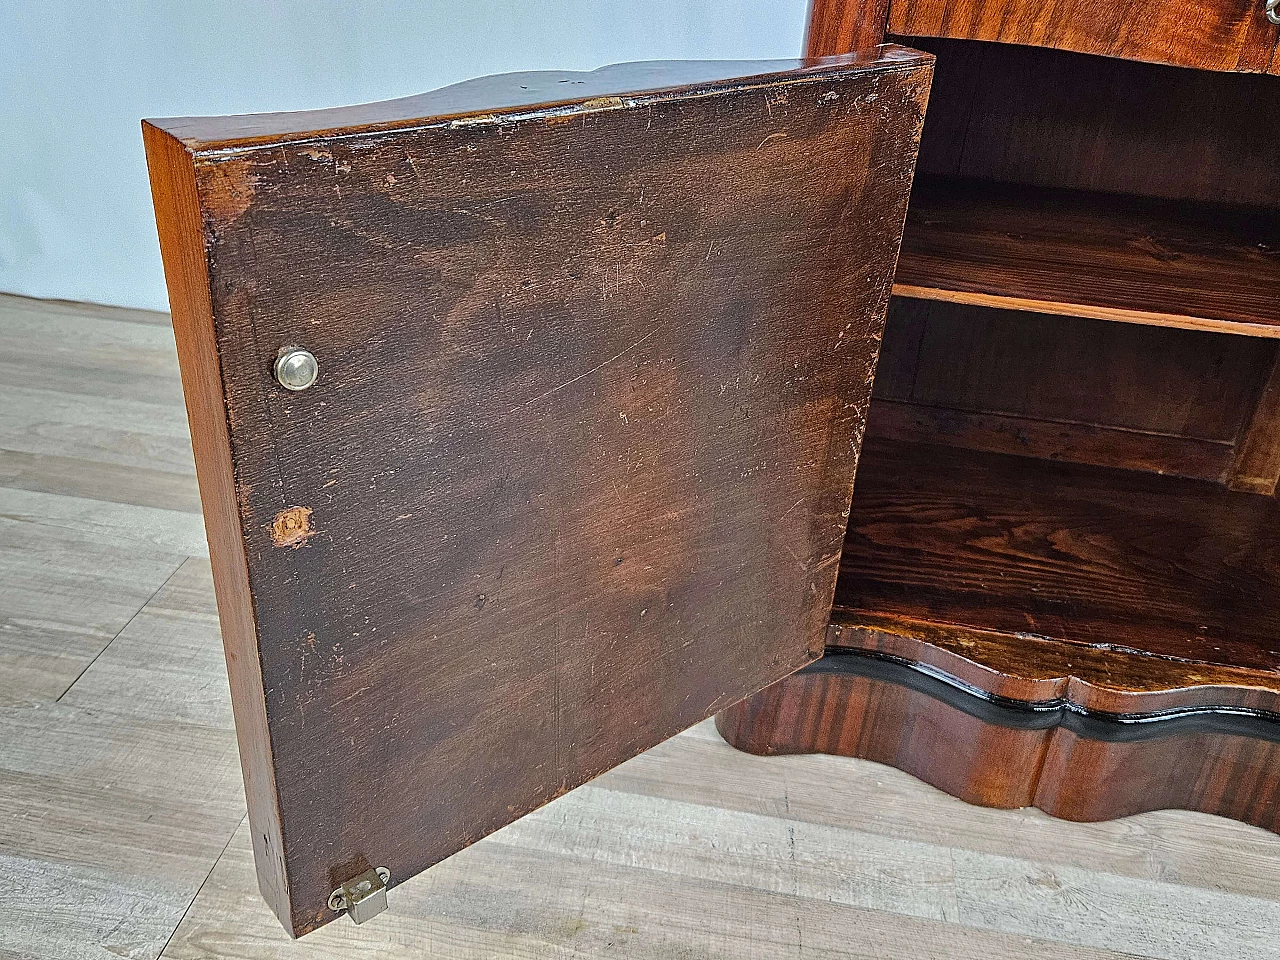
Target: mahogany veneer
point(1060, 584)
point(1092, 641)
point(1211, 35)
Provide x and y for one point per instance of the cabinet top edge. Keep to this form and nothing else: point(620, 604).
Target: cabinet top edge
point(529, 95)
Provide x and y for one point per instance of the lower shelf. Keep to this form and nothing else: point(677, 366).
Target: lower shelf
point(1090, 641)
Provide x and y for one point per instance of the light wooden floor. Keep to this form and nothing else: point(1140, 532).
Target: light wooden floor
point(122, 829)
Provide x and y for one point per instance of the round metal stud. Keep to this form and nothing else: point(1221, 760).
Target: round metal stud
point(1273, 11)
point(296, 369)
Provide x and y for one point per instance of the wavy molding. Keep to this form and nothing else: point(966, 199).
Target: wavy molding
point(1173, 742)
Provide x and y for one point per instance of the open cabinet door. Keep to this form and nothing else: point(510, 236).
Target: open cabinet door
point(525, 415)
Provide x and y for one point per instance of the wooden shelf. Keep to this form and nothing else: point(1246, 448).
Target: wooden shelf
point(1090, 641)
point(1118, 561)
point(1104, 256)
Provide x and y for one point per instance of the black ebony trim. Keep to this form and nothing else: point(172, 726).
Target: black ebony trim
point(1044, 714)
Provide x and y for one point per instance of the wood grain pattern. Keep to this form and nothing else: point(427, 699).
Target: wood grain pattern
point(1093, 255)
point(697, 849)
point(1174, 738)
point(1059, 440)
point(844, 26)
point(1173, 567)
point(122, 796)
point(1128, 376)
point(1092, 642)
point(1220, 35)
point(179, 220)
point(576, 469)
point(95, 476)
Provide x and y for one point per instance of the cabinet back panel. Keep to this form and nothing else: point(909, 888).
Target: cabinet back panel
point(1090, 391)
point(1046, 117)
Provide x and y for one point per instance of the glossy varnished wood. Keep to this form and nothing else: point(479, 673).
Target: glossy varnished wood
point(1081, 733)
point(1211, 35)
point(1019, 632)
point(1221, 35)
point(576, 470)
point(1093, 255)
point(841, 26)
point(1093, 642)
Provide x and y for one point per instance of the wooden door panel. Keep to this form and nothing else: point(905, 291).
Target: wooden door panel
point(1229, 35)
point(593, 372)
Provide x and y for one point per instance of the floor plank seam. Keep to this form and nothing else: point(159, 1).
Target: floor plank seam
point(195, 896)
point(146, 603)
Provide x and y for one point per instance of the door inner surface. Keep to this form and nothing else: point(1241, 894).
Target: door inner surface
point(592, 356)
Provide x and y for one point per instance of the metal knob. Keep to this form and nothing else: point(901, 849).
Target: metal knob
point(296, 369)
point(1273, 11)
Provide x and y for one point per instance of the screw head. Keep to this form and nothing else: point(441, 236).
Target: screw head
point(296, 369)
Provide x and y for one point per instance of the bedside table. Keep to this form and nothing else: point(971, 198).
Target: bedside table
point(1061, 580)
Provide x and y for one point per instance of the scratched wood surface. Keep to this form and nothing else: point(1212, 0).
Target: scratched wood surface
point(121, 797)
point(576, 470)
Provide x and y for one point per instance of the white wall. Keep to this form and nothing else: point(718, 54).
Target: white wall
point(75, 79)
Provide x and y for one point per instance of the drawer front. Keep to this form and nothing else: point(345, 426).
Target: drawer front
point(1231, 35)
point(594, 356)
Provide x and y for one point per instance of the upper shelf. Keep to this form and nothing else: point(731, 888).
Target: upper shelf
point(1104, 256)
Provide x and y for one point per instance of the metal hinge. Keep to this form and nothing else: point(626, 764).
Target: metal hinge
point(362, 897)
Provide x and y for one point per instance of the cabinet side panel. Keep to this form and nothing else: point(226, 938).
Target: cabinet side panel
point(178, 221)
point(842, 26)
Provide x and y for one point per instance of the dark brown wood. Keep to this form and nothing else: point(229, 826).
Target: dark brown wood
point(1023, 722)
point(1050, 440)
point(1256, 464)
point(1211, 35)
point(1093, 255)
point(576, 469)
point(1063, 388)
point(843, 26)
point(1090, 640)
point(1027, 668)
point(1056, 119)
point(178, 215)
point(1173, 567)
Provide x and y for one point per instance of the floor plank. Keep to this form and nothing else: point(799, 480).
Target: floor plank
point(123, 832)
point(503, 898)
point(120, 797)
point(63, 596)
point(111, 823)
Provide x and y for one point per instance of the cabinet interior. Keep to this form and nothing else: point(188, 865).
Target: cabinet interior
point(1075, 428)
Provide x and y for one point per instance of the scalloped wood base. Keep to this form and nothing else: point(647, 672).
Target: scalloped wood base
point(1080, 739)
